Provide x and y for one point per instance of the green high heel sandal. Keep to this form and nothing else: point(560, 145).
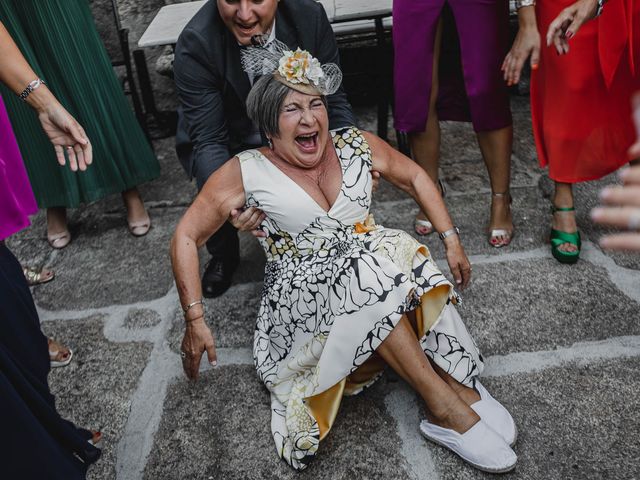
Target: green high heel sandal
point(558, 237)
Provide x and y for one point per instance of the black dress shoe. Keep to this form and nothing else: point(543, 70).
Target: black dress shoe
point(217, 277)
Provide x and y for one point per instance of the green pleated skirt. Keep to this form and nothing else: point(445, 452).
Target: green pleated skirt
point(60, 41)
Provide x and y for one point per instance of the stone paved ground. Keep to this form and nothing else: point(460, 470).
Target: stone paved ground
point(562, 343)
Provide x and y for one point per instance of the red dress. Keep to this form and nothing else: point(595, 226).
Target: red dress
point(580, 102)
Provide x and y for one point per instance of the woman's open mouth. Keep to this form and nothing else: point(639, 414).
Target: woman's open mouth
point(308, 142)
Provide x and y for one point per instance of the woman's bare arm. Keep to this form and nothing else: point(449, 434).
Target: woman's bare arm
point(66, 135)
point(222, 193)
point(405, 174)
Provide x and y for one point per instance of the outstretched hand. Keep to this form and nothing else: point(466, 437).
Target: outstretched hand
point(67, 136)
point(567, 23)
point(197, 339)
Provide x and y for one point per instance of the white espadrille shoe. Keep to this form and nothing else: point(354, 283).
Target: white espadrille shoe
point(479, 446)
point(493, 413)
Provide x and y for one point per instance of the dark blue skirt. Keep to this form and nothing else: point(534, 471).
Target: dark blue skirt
point(37, 442)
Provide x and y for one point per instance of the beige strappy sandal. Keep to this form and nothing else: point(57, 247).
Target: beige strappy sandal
point(496, 233)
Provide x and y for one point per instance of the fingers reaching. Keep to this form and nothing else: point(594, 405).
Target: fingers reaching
point(60, 154)
point(621, 241)
point(73, 161)
point(628, 195)
point(193, 364)
point(621, 217)
point(211, 352)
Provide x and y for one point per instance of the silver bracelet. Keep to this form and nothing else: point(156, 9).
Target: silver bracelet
point(600, 7)
point(193, 304)
point(448, 233)
point(525, 3)
point(30, 88)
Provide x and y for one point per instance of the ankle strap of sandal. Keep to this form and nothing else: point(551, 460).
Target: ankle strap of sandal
point(503, 194)
point(555, 209)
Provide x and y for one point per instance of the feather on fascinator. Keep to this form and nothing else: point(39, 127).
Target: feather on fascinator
point(298, 70)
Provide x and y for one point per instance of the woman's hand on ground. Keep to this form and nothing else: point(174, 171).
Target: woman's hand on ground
point(197, 339)
point(458, 262)
point(66, 135)
point(622, 211)
point(526, 44)
point(248, 220)
point(567, 23)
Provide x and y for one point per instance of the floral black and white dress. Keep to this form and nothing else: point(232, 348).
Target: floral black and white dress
point(334, 288)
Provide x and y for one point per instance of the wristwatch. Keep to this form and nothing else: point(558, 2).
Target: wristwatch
point(448, 233)
point(525, 3)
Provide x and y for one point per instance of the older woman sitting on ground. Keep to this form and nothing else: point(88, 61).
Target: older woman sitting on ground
point(342, 296)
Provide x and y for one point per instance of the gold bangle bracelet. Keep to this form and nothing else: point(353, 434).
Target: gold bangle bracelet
point(189, 320)
point(193, 304)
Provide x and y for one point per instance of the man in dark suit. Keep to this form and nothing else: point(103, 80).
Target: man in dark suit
point(213, 124)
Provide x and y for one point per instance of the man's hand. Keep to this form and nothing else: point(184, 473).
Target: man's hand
point(567, 23)
point(67, 135)
point(197, 338)
point(622, 211)
point(248, 220)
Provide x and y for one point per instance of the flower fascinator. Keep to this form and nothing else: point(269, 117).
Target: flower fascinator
point(298, 69)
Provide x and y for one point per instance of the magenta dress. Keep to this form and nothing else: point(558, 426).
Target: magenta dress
point(475, 40)
point(16, 198)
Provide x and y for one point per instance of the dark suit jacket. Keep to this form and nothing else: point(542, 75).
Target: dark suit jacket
point(213, 88)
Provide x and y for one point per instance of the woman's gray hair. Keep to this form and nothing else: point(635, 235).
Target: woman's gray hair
point(264, 104)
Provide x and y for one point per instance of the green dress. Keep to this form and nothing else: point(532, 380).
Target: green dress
point(60, 41)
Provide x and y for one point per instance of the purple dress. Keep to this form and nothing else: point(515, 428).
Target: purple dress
point(16, 198)
point(470, 80)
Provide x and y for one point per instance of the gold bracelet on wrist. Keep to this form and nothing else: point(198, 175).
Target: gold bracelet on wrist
point(189, 320)
point(193, 304)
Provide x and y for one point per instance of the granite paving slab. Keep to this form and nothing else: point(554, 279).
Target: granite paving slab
point(105, 265)
point(88, 396)
point(232, 317)
point(219, 428)
point(532, 305)
point(575, 422)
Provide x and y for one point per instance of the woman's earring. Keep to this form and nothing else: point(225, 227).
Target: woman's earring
point(270, 143)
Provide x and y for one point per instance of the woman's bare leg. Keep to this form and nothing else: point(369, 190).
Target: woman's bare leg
point(496, 146)
point(445, 408)
point(134, 204)
point(425, 146)
point(468, 395)
point(56, 220)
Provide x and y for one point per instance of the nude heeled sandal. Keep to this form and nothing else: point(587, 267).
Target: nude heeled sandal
point(501, 232)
